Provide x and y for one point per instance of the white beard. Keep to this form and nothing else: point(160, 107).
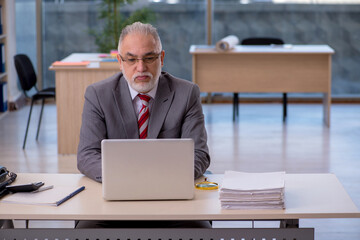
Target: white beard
point(143, 87)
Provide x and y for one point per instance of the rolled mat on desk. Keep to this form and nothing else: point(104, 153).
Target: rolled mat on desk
point(227, 43)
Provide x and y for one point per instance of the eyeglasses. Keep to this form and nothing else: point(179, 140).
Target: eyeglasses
point(148, 59)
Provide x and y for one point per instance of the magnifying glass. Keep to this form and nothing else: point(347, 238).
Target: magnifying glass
point(206, 185)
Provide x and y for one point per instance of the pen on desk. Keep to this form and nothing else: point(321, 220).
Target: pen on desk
point(43, 189)
point(70, 196)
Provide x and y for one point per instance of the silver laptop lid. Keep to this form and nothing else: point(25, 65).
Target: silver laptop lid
point(134, 169)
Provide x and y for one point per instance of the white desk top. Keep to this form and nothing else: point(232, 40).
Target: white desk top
point(79, 57)
point(93, 58)
point(287, 48)
point(306, 196)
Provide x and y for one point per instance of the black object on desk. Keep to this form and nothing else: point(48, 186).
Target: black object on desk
point(11, 179)
point(24, 187)
point(3, 173)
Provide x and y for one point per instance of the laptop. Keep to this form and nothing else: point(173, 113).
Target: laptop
point(150, 169)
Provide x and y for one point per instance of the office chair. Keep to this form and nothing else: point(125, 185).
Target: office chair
point(259, 41)
point(27, 78)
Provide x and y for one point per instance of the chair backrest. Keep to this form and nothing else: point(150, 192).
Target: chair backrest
point(261, 41)
point(25, 71)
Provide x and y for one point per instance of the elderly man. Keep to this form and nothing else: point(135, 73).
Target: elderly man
point(140, 102)
point(115, 107)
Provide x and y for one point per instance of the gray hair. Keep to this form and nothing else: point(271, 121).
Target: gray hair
point(143, 28)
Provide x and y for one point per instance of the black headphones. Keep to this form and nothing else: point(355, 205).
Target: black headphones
point(3, 173)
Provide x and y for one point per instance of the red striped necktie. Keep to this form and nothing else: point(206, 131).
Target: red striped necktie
point(143, 116)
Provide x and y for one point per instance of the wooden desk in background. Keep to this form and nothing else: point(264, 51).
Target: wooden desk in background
point(265, 69)
point(244, 69)
point(309, 196)
point(71, 83)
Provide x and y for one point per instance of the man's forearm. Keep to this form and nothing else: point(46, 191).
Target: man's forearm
point(202, 162)
point(89, 164)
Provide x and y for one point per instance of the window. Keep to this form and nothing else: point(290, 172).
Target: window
point(182, 23)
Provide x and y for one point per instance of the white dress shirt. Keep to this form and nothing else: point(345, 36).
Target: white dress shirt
point(137, 101)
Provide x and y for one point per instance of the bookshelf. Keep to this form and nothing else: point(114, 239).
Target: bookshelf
point(3, 60)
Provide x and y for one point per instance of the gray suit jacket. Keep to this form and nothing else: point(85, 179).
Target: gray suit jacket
point(109, 114)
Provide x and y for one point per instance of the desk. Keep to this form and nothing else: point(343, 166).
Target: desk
point(306, 196)
point(71, 83)
point(265, 69)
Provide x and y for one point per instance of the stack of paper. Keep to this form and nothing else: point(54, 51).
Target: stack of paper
point(242, 190)
point(109, 63)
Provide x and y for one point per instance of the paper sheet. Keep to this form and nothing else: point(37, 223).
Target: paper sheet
point(47, 197)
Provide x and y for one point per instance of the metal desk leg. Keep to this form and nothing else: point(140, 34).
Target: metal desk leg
point(289, 223)
point(235, 106)
point(6, 224)
point(284, 106)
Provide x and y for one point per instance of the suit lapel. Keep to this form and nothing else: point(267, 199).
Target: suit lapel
point(160, 108)
point(126, 110)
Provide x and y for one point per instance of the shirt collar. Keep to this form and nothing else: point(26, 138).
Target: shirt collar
point(152, 93)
